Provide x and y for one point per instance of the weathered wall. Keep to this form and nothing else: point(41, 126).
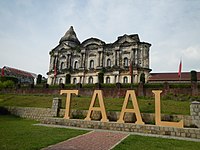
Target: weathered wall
point(141, 90)
point(127, 127)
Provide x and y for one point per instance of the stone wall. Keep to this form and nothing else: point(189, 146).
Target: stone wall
point(31, 112)
point(127, 127)
point(195, 113)
point(41, 113)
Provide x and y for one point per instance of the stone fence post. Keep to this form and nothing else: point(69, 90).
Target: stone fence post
point(195, 113)
point(56, 105)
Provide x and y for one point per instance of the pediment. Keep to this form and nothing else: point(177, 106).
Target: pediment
point(92, 41)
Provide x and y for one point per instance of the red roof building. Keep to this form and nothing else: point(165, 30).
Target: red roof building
point(22, 76)
point(171, 77)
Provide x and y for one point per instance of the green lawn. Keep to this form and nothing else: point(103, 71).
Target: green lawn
point(21, 134)
point(82, 103)
point(136, 142)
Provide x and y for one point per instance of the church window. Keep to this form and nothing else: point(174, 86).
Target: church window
point(62, 65)
point(90, 80)
point(125, 62)
point(108, 62)
point(125, 79)
point(91, 64)
point(75, 65)
point(107, 79)
point(74, 81)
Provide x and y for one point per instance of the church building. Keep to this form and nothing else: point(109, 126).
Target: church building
point(93, 61)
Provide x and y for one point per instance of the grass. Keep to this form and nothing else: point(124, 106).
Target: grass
point(135, 142)
point(17, 133)
point(21, 134)
point(146, 105)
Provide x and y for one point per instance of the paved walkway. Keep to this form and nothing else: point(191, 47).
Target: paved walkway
point(94, 140)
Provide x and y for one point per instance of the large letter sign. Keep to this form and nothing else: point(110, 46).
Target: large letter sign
point(158, 114)
point(131, 94)
point(68, 99)
point(97, 93)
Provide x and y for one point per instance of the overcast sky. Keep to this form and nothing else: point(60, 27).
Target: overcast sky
point(29, 29)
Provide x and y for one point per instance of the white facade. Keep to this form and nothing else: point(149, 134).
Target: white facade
point(75, 62)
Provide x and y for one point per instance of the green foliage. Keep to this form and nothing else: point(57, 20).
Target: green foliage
point(108, 85)
point(3, 79)
point(17, 133)
point(142, 78)
point(68, 79)
point(180, 85)
point(8, 84)
point(146, 105)
point(154, 85)
point(101, 77)
point(39, 79)
point(129, 85)
point(193, 75)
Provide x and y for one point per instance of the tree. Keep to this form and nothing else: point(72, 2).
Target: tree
point(100, 77)
point(39, 79)
point(193, 75)
point(142, 78)
point(68, 79)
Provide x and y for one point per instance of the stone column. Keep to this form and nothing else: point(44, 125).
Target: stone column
point(99, 59)
point(56, 105)
point(194, 86)
point(195, 113)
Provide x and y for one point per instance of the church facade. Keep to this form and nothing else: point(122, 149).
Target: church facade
point(93, 61)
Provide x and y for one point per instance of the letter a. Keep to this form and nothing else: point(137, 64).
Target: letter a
point(130, 93)
point(97, 93)
point(68, 99)
point(158, 115)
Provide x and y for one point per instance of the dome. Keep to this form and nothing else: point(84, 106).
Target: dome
point(70, 35)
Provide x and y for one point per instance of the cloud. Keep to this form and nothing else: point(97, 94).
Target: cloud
point(31, 28)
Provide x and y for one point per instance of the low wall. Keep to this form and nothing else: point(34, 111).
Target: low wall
point(127, 127)
point(47, 115)
point(31, 112)
point(191, 89)
point(41, 113)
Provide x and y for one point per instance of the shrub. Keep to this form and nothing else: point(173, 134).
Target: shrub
point(193, 75)
point(3, 79)
point(8, 84)
point(39, 79)
point(153, 85)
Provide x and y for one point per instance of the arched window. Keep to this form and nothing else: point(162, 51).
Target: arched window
point(75, 65)
point(60, 80)
point(125, 79)
point(74, 81)
point(108, 62)
point(90, 80)
point(91, 64)
point(125, 62)
point(62, 65)
point(107, 79)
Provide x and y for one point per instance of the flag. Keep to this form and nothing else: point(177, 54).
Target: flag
point(179, 69)
point(2, 72)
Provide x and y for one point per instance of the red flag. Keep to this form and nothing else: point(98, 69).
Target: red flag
point(2, 72)
point(179, 70)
